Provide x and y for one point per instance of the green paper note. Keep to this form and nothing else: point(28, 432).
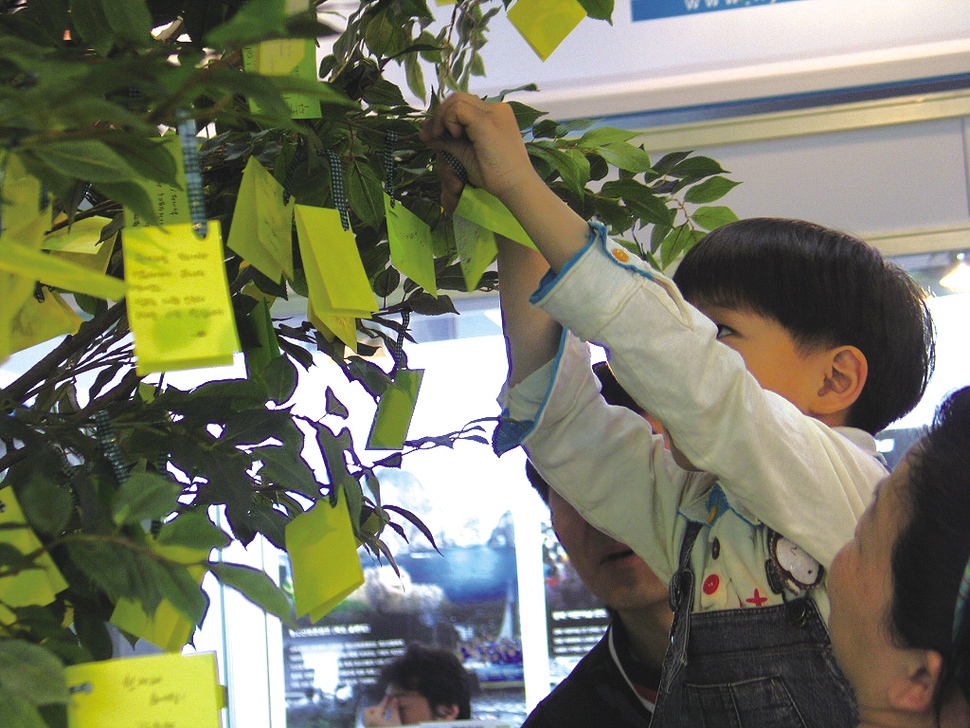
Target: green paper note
point(476, 250)
point(394, 411)
point(178, 298)
point(301, 107)
point(335, 275)
point(39, 321)
point(269, 348)
point(32, 586)
point(171, 203)
point(168, 628)
point(59, 272)
point(262, 226)
point(545, 23)
point(323, 556)
point(484, 209)
point(81, 237)
point(172, 690)
point(412, 250)
point(340, 327)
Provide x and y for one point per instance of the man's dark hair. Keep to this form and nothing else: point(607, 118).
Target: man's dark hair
point(614, 394)
point(933, 545)
point(828, 289)
point(435, 674)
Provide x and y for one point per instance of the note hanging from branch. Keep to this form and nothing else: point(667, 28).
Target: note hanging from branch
point(171, 203)
point(545, 23)
point(178, 301)
point(335, 275)
point(262, 224)
point(297, 55)
point(340, 327)
point(323, 557)
point(395, 410)
point(412, 249)
point(170, 690)
point(485, 209)
point(39, 321)
point(476, 250)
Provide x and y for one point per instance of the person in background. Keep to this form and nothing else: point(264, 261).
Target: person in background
point(899, 621)
point(425, 684)
point(615, 684)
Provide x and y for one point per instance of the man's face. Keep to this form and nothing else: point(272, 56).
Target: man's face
point(413, 708)
point(609, 569)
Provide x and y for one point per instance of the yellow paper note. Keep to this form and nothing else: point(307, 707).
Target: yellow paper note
point(484, 209)
point(171, 203)
point(545, 23)
point(340, 327)
point(412, 250)
point(98, 262)
point(170, 691)
point(168, 628)
point(394, 411)
point(476, 250)
point(262, 226)
point(301, 107)
point(39, 321)
point(323, 556)
point(81, 237)
point(33, 586)
point(60, 273)
point(178, 302)
point(335, 275)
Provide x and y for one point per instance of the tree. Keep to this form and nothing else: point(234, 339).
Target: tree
point(109, 471)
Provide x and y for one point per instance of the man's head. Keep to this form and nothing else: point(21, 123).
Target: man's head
point(830, 292)
point(427, 684)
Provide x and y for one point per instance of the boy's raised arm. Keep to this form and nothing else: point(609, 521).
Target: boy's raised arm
point(486, 139)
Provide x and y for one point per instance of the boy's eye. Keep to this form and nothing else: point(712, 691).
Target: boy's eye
point(723, 331)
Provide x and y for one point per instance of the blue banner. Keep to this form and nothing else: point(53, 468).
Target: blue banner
point(654, 9)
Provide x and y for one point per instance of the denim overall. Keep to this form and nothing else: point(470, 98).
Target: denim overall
point(751, 668)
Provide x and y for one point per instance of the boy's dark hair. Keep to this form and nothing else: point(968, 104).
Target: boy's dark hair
point(614, 394)
point(436, 674)
point(933, 545)
point(827, 288)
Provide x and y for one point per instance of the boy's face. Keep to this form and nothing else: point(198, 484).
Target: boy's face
point(771, 355)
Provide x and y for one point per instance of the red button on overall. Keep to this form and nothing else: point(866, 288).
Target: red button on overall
point(711, 583)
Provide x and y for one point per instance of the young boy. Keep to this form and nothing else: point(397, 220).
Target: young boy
point(774, 459)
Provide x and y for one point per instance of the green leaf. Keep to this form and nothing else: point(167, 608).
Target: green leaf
point(45, 502)
point(256, 19)
point(640, 199)
point(711, 189)
point(697, 167)
point(89, 160)
point(257, 587)
point(374, 379)
point(194, 530)
point(253, 426)
point(711, 218)
point(92, 25)
point(280, 379)
point(129, 19)
point(335, 406)
point(602, 135)
point(681, 239)
point(414, 75)
point(270, 522)
point(598, 9)
point(287, 470)
point(181, 589)
point(145, 496)
point(31, 672)
point(15, 712)
point(384, 36)
point(625, 156)
point(571, 165)
point(131, 195)
point(365, 193)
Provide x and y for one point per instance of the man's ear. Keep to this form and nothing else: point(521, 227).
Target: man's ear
point(845, 373)
point(446, 712)
point(913, 690)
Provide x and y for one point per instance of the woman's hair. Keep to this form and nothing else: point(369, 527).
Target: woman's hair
point(930, 556)
point(434, 673)
point(828, 289)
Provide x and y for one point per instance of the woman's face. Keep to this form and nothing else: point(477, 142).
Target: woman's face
point(860, 590)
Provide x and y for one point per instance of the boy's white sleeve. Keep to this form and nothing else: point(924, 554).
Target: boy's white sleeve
point(798, 476)
point(604, 460)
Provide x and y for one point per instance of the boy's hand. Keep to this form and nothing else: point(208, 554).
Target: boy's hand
point(485, 138)
point(384, 714)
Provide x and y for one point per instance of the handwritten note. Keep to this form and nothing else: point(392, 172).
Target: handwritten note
point(171, 203)
point(300, 56)
point(545, 23)
point(335, 275)
point(167, 628)
point(340, 327)
point(412, 249)
point(262, 225)
point(476, 250)
point(395, 410)
point(39, 321)
point(485, 209)
point(323, 555)
point(33, 586)
point(158, 691)
point(178, 302)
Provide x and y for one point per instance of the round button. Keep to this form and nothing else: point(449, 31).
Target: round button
point(711, 583)
point(715, 548)
point(621, 255)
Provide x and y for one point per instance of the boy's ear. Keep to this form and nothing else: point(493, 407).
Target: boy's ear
point(913, 691)
point(446, 712)
point(845, 375)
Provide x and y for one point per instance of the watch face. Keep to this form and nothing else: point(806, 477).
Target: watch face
point(794, 564)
